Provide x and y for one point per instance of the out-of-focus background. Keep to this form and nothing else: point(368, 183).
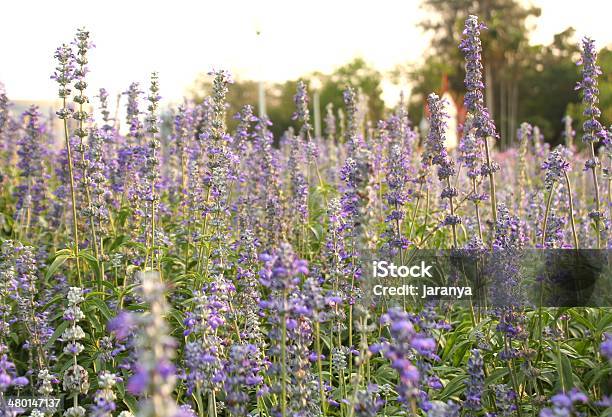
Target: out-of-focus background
point(383, 48)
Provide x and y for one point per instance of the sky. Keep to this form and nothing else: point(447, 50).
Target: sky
point(182, 39)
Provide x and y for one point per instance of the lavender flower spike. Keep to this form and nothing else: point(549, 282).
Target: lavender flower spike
point(474, 99)
point(155, 373)
point(593, 130)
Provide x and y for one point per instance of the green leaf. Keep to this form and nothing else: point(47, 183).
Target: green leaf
point(57, 333)
point(57, 262)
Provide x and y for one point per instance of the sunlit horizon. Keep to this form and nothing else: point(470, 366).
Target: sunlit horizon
point(184, 39)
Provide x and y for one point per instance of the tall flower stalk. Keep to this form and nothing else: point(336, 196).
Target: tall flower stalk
point(155, 375)
point(593, 130)
point(31, 190)
point(83, 44)
point(152, 164)
point(76, 379)
point(63, 75)
point(557, 167)
point(470, 155)
point(474, 99)
point(437, 153)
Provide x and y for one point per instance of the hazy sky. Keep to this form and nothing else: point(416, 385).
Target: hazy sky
point(180, 38)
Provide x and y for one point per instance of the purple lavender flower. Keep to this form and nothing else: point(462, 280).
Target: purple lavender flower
point(301, 113)
point(564, 404)
point(18, 266)
point(103, 100)
point(405, 342)
point(556, 166)
point(203, 355)
point(475, 383)
point(396, 196)
point(31, 193)
point(436, 154)
point(241, 375)
point(83, 44)
point(299, 185)
point(104, 398)
point(155, 373)
point(133, 112)
point(245, 119)
point(555, 231)
point(606, 346)
point(351, 135)
point(282, 270)
point(8, 372)
point(593, 130)
point(270, 193)
point(435, 151)
point(470, 153)
point(504, 399)
point(474, 98)
point(508, 231)
point(64, 75)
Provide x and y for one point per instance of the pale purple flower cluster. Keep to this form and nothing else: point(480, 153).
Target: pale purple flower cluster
point(505, 400)
point(31, 192)
point(203, 355)
point(351, 134)
point(135, 126)
point(83, 44)
point(104, 398)
point(241, 375)
point(405, 342)
point(436, 153)
point(474, 98)
point(155, 374)
point(64, 75)
point(593, 130)
point(8, 373)
point(556, 166)
point(396, 196)
point(475, 383)
point(508, 231)
point(302, 114)
point(606, 346)
point(470, 153)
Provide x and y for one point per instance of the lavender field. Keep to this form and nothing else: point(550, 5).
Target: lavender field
point(176, 267)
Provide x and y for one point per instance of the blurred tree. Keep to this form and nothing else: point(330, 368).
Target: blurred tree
point(362, 77)
point(505, 44)
point(549, 76)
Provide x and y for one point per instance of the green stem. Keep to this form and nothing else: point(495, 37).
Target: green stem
point(547, 212)
point(284, 358)
point(597, 199)
point(491, 184)
point(571, 209)
point(75, 226)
